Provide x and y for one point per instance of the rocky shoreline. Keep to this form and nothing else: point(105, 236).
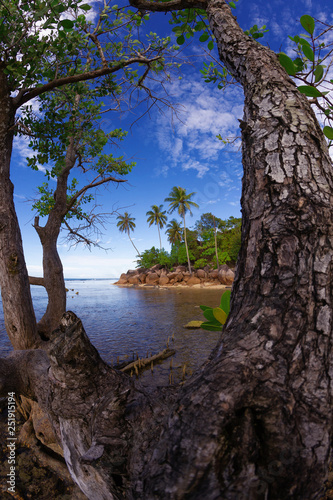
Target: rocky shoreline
point(180, 276)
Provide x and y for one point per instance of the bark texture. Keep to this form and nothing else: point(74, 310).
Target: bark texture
point(53, 275)
point(19, 315)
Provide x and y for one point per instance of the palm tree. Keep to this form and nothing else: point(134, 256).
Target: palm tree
point(181, 201)
point(174, 232)
point(156, 216)
point(126, 224)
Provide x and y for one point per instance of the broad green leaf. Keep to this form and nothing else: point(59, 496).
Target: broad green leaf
point(67, 24)
point(302, 41)
point(208, 313)
point(319, 72)
point(225, 301)
point(211, 327)
point(299, 64)
point(220, 315)
point(85, 7)
point(309, 91)
point(287, 63)
point(308, 23)
point(328, 131)
point(232, 5)
point(205, 307)
point(181, 40)
point(204, 37)
point(308, 52)
point(210, 45)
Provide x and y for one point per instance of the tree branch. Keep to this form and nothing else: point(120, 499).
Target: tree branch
point(91, 186)
point(168, 6)
point(26, 95)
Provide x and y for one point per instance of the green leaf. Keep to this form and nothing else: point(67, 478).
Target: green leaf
point(67, 24)
point(287, 63)
point(232, 5)
point(210, 45)
point(180, 40)
point(208, 313)
point(220, 315)
point(211, 327)
point(328, 131)
point(319, 72)
point(204, 37)
point(204, 308)
point(309, 91)
point(299, 64)
point(302, 41)
point(308, 23)
point(308, 52)
point(85, 7)
point(225, 301)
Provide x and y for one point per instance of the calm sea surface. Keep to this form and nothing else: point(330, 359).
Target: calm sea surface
point(123, 322)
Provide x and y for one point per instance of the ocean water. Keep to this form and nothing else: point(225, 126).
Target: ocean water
point(125, 322)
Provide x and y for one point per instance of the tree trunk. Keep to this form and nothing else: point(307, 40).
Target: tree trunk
point(215, 239)
point(53, 277)
point(18, 310)
point(133, 244)
point(159, 235)
point(255, 421)
point(54, 281)
point(185, 240)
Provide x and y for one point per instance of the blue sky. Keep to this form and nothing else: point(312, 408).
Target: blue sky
point(169, 151)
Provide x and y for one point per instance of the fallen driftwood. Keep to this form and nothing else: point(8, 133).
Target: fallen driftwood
point(142, 363)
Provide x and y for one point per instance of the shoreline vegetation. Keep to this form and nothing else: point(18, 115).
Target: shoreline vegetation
point(159, 276)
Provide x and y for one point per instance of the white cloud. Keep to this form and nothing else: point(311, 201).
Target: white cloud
point(21, 147)
point(191, 142)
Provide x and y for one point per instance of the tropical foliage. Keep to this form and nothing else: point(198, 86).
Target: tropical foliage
point(217, 316)
point(181, 201)
point(200, 242)
point(126, 224)
point(157, 216)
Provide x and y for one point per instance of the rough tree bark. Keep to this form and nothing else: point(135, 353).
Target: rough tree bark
point(255, 421)
point(53, 275)
point(19, 315)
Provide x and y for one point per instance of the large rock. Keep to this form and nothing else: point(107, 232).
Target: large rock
point(122, 281)
point(152, 278)
point(164, 280)
point(155, 268)
point(226, 275)
point(134, 280)
point(230, 276)
point(142, 277)
point(193, 280)
point(180, 269)
point(214, 274)
point(132, 272)
point(175, 276)
point(201, 273)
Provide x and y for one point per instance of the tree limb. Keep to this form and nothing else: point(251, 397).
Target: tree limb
point(91, 186)
point(26, 95)
point(168, 6)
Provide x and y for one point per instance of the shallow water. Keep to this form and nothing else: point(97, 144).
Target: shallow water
point(124, 322)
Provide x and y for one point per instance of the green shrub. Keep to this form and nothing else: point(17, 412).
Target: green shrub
point(217, 316)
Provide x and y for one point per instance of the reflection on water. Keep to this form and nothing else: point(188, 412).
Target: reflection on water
point(123, 322)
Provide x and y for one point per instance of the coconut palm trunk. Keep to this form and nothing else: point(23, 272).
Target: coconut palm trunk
point(215, 238)
point(185, 240)
point(133, 244)
point(159, 235)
